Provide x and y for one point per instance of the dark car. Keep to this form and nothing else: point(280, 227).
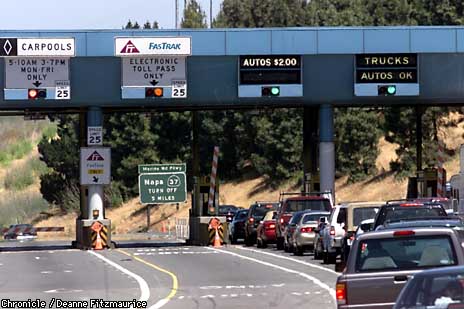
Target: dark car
point(290, 205)
point(381, 262)
point(20, 232)
point(393, 212)
point(256, 213)
point(435, 288)
point(237, 226)
point(228, 211)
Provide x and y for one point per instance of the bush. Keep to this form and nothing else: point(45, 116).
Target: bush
point(20, 207)
point(18, 179)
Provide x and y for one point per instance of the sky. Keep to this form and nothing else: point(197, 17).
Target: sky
point(91, 14)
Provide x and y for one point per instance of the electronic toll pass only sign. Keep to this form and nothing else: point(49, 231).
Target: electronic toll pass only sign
point(37, 68)
point(153, 67)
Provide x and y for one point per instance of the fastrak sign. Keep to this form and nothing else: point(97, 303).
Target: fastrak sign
point(142, 46)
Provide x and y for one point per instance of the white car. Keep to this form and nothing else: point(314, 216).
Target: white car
point(364, 223)
point(333, 234)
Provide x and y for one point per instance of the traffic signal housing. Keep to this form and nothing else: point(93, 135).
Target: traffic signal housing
point(34, 94)
point(154, 92)
point(386, 90)
point(272, 91)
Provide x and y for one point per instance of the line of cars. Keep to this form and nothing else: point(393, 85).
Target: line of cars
point(395, 254)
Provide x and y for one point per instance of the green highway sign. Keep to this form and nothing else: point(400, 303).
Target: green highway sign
point(162, 168)
point(162, 188)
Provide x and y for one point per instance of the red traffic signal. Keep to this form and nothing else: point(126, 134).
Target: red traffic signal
point(153, 92)
point(33, 94)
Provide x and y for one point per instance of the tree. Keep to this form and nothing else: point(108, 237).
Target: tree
point(61, 185)
point(194, 16)
point(357, 134)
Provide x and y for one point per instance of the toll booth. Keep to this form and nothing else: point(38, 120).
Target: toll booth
point(200, 218)
point(427, 181)
point(204, 187)
point(311, 182)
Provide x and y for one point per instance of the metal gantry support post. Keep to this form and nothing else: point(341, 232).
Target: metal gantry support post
point(95, 192)
point(327, 149)
point(419, 112)
point(310, 128)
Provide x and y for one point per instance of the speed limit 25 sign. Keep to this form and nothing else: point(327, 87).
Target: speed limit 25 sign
point(94, 136)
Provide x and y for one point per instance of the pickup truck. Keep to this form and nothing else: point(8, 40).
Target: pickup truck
point(381, 262)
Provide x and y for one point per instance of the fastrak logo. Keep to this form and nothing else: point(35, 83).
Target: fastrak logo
point(129, 48)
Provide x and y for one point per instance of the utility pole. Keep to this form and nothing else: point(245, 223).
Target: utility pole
point(177, 14)
point(211, 13)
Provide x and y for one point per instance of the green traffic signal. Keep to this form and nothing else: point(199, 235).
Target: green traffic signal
point(386, 90)
point(272, 91)
point(391, 90)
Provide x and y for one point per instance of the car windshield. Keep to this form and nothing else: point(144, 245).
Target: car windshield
point(260, 210)
point(434, 292)
point(296, 218)
point(364, 213)
point(408, 212)
point(404, 253)
point(298, 205)
point(223, 210)
point(312, 217)
point(241, 215)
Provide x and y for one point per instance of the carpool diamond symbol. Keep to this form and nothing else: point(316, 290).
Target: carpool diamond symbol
point(7, 47)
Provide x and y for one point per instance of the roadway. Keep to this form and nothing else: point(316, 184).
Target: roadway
point(174, 276)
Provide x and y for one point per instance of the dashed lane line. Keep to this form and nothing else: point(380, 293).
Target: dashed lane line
point(145, 291)
point(288, 270)
point(290, 259)
point(175, 282)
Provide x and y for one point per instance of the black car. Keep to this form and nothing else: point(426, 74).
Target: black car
point(228, 211)
point(237, 226)
point(397, 211)
point(256, 213)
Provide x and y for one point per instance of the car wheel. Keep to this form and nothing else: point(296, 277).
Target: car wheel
point(286, 248)
point(263, 244)
point(297, 250)
point(248, 242)
point(330, 258)
point(317, 252)
point(259, 243)
point(280, 243)
point(233, 240)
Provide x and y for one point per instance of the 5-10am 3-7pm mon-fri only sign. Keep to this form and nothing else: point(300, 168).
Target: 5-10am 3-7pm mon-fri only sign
point(162, 183)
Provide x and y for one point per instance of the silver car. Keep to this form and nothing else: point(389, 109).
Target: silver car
point(305, 231)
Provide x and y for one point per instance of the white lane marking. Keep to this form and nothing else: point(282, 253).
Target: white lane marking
point(37, 257)
point(218, 287)
point(46, 272)
point(174, 253)
point(68, 271)
point(288, 270)
point(290, 259)
point(1, 264)
point(63, 291)
point(160, 304)
point(145, 291)
point(181, 297)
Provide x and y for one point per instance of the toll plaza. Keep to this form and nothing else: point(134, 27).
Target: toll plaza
point(96, 72)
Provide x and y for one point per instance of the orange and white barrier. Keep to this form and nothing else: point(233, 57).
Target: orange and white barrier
point(24, 229)
point(212, 186)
